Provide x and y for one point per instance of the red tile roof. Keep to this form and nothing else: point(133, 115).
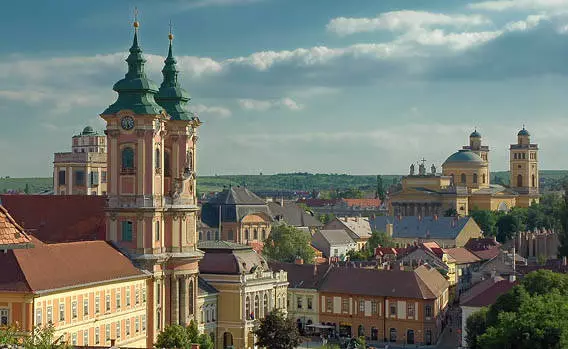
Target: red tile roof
point(486, 293)
point(487, 254)
point(11, 234)
point(59, 218)
point(318, 202)
point(53, 266)
point(362, 202)
point(481, 244)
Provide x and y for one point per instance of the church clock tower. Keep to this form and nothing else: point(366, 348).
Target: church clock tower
point(524, 169)
point(152, 206)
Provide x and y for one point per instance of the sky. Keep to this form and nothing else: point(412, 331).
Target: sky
point(326, 86)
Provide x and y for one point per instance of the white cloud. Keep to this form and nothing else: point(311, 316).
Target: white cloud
point(503, 5)
point(214, 111)
point(402, 21)
point(264, 105)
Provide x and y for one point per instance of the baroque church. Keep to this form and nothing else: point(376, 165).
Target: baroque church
point(465, 182)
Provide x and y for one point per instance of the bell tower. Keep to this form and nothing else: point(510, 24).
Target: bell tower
point(524, 169)
point(152, 206)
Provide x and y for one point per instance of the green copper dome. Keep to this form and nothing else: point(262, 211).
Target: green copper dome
point(87, 131)
point(135, 92)
point(171, 96)
point(475, 134)
point(463, 156)
point(523, 132)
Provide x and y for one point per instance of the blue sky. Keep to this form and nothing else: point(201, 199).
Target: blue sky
point(342, 86)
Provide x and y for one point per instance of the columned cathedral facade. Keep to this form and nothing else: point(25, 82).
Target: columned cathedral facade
point(152, 205)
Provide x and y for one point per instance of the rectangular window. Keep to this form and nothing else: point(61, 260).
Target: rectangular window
point(4, 316)
point(103, 176)
point(61, 177)
point(335, 252)
point(74, 338)
point(345, 305)
point(137, 296)
point(157, 230)
point(79, 177)
point(49, 315)
point(329, 304)
point(38, 317)
point(361, 306)
point(137, 324)
point(74, 310)
point(143, 322)
point(410, 309)
point(97, 304)
point(107, 333)
point(428, 311)
point(94, 178)
point(128, 297)
point(126, 231)
point(143, 295)
point(118, 299)
point(61, 311)
point(97, 335)
point(158, 297)
point(374, 308)
point(118, 330)
point(127, 327)
point(393, 309)
point(310, 303)
point(107, 301)
point(85, 337)
point(85, 306)
point(299, 302)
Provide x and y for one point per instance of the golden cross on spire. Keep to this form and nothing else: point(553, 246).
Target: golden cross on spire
point(170, 35)
point(136, 24)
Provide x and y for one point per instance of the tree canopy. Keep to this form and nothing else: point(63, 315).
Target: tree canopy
point(177, 336)
point(276, 331)
point(285, 243)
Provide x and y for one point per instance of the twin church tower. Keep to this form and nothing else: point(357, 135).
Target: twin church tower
point(151, 185)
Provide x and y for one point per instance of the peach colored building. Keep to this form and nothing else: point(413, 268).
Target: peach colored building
point(83, 171)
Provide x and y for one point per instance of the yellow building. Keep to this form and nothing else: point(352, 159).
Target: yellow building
point(464, 183)
point(248, 290)
point(83, 171)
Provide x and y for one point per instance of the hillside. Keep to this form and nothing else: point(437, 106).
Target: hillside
point(285, 181)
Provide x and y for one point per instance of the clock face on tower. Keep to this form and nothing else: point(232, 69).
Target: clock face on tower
point(127, 122)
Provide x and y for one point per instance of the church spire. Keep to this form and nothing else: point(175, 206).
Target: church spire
point(135, 92)
point(171, 96)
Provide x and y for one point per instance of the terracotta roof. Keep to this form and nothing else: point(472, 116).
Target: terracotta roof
point(11, 234)
point(434, 248)
point(59, 218)
point(462, 255)
point(486, 293)
point(422, 283)
point(301, 275)
point(318, 202)
point(488, 254)
point(53, 266)
point(481, 244)
point(362, 202)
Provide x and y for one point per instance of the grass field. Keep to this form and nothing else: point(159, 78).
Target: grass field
point(286, 181)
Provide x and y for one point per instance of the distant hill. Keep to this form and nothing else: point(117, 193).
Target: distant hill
point(283, 181)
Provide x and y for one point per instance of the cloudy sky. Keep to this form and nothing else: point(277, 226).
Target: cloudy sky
point(342, 86)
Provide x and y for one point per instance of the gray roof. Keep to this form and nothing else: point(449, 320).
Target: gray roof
point(293, 214)
point(427, 227)
point(237, 196)
point(221, 245)
point(235, 203)
point(205, 288)
point(336, 236)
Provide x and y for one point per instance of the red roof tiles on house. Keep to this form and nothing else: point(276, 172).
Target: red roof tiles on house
point(486, 293)
point(11, 234)
point(362, 202)
point(55, 266)
point(462, 255)
point(59, 218)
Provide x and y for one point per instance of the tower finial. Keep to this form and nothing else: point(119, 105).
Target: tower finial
point(170, 35)
point(136, 24)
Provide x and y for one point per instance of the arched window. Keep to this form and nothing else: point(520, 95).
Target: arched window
point(247, 237)
point(452, 179)
point(167, 171)
point(213, 313)
point(475, 178)
point(263, 237)
point(533, 180)
point(256, 306)
point(191, 296)
point(410, 337)
point(484, 178)
point(200, 236)
point(208, 235)
point(361, 331)
point(463, 178)
point(127, 158)
point(227, 340)
point(207, 314)
point(519, 181)
point(265, 305)
point(374, 333)
point(428, 337)
point(158, 159)
point(392, 337)
point(255, 232)
point(247, 308)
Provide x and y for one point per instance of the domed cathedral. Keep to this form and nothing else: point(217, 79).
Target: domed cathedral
point(524, 169)
point(465, 183)
point(152, 204)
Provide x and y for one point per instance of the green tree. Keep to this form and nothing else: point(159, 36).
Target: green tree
point(508, 302)
point(487, 221)
point(476, 325)
point(276, 331)
point(326, 217)
point(380, 192)
point(379, 238)
point(356, 255)
point(174, 336)
point(541, 282)
point(508, 225)
point(44, 338)
point(285, 243)
point(8, 335)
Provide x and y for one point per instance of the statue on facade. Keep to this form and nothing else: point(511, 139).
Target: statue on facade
point(412, 170)
point(422, 169)
point(433, 169)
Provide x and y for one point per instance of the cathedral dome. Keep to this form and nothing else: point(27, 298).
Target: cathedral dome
point(523, 132)
point(88, 131)
point(475, 134)
point(464, 156)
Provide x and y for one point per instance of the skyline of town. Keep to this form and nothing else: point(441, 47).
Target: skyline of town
point(272, 100)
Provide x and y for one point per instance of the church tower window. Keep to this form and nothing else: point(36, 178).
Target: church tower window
point(158, 159)
point(127, 159)
point(533, 179)
point(484, 178)
point(519, 181)
point(475, 178)
point(463, 178)
point(126, 231)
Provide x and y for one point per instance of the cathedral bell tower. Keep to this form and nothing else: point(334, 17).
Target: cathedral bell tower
point(152, 205)
point(524, 169)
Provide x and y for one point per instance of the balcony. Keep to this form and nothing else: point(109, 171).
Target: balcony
point(136, 201)
point(80, 157)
